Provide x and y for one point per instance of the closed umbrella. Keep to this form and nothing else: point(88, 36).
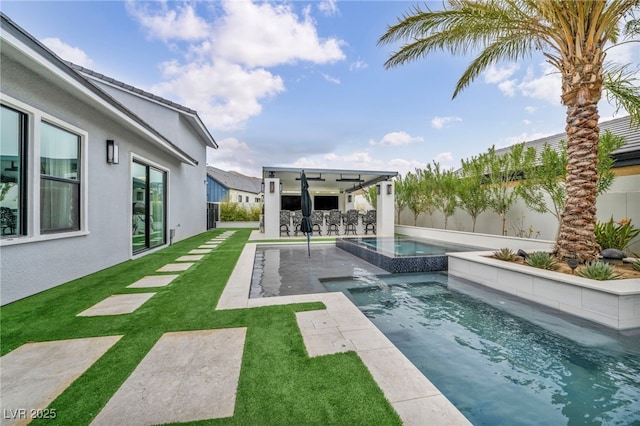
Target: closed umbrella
point(305, 204)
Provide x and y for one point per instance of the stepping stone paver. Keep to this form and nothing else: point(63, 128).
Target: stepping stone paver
point(187, 376)
point(200, 251)
point(208, 246)
point(175, 267)
point(34, 374)
point(153, 281)
point(117, 304)
point(190, 258)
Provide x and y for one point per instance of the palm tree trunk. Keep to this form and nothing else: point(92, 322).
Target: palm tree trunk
point(576, 238)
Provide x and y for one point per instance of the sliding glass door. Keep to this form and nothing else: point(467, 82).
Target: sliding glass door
point(148, 207)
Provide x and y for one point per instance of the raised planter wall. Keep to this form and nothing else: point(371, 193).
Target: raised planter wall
point(220, 224)
point(613, 303)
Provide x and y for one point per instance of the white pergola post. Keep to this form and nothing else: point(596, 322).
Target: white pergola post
point(349, 201)
point(272, 208)
point(385, 215)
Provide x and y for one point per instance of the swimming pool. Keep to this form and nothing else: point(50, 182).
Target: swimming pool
point(402, 254)
point(501, 360)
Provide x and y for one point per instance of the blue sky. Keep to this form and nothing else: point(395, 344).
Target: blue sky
point(302, 84)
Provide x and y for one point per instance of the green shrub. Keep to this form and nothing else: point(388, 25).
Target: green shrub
point(542, 260)
point(615, 235)
point(598, 271)
point(636, 265)
point(235, 212)
point(504, 254)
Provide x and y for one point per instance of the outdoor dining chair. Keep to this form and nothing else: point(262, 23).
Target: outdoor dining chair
point(351, 222)
point(317, 220)
point(333, 222)
point(369, 221)
point(296, 218)
point(285, 221)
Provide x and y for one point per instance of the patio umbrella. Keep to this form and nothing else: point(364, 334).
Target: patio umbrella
point(306, 225)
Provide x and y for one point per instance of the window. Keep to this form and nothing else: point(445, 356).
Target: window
point(246, 199)
point(59, 180)
point(239, 198)
point(257, 200)
point(149, 207)
point(13, 161)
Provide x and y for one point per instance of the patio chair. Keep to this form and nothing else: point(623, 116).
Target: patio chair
point(285, 221)
point(333, 222)
point(351, 222)
point(317, 220)
point(7, 220)
point(369, 221)
point(296, 218)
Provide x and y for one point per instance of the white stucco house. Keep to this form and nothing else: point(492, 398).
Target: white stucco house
point(93, 171)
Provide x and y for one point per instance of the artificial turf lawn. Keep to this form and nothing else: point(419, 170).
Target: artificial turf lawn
point(279, 384)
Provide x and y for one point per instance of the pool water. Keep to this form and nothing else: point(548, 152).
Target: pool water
point(400, 246)
point(499, 360)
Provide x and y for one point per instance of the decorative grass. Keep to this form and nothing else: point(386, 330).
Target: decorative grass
point(279, 384)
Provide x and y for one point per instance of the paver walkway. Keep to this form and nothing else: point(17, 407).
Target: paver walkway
point(117, 304)
point(187, 376)
point(34, 374)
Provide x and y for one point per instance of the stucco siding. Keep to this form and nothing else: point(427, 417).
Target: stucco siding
point(31, 265)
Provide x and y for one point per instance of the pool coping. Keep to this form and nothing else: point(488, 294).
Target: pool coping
point(343, 327)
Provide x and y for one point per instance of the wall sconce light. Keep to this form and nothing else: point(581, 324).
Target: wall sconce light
point(349, 198)
point(378, 189)
point(272, 187)
point(113, 153)
point(280, 187)
point(388, 189)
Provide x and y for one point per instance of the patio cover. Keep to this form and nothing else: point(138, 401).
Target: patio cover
point(333, 180)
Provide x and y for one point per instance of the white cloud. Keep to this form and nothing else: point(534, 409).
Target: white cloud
point(530, 109)
point(267, 34)
point(331, 79)
point(495, 75)
point(233, 154)
point(224, 94)
point(223, 73)
point(328, 7)
point(358, 65)
point(68, 53)
point(547, 86)
point(508, 87)
point(526, 122)
point(522, 137)
point(440, 122)
point(166, 24)
point(403, 166)
point(397, 139)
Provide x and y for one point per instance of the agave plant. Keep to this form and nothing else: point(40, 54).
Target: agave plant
point(636, 265)
point(542, 260)
point(598, 271)
point(504, 254)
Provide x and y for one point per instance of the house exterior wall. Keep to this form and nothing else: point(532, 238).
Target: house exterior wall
point(189, 215)
point(32, 264)
point(216, 193)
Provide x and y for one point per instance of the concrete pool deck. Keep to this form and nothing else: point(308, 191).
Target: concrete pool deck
point(343, 327)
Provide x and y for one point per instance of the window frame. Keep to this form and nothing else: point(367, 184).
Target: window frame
point(143, 161)
point(77, 182)
point(23, 192)
point(34, 118)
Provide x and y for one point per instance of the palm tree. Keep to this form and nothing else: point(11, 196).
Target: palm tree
point(573, 36)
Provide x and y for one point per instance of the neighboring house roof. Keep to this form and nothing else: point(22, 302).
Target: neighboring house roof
point(235, 180)
point(190, 114)
point(618, 127)
point(18, 42)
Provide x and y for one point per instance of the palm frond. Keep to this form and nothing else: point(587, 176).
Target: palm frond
point(622, 89)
